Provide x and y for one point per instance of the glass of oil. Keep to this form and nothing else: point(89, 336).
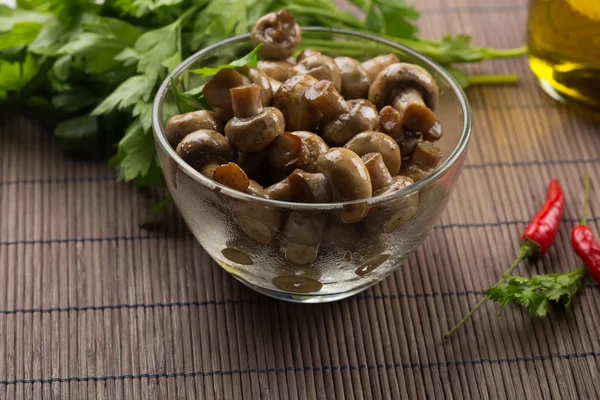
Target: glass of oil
point(564, 48)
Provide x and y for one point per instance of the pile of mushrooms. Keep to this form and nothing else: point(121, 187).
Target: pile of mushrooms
point(312, 128)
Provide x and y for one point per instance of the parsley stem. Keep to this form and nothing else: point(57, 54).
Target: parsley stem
point(350, 20)
point(524, 252)
point(503, 53)
point(493, 79)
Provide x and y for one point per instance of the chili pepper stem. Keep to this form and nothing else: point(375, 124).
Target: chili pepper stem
point(586, 199)
point(524, 252)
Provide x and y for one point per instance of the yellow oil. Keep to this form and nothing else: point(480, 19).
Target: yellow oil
point(564, 48)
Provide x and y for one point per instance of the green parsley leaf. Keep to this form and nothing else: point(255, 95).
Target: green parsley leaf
point(458, 48)
point(126, 95)
point(136, 155)
point(539, 292)
point(14, 76)
point(9, 17)
point(249, 60)
point(75, 99)
point(79, 136)
point(21, 34)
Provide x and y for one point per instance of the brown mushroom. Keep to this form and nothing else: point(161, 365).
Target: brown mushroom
point(316, 146)
point(216, 91)
point(301, 238)
point(204, 146)
point(178, 126)
point(278, 70)
point(279, 33)
point(253, 128)
point(254, 188)
point(375, 65)
point(355, 82)
point(261, 79)
point(427, 156)
point(232, 176)
point(310, 187)
point(321, 67)
point(306, 53)
point(388, 216)
point(281, 191)
point(289, 99)
point(208, 169)
point(411, 90)
point(378, 171)
point(288, 152)
point(342, 119)
point(377, 142)
point(413, 171)
point(389, 123)
point(349, 180)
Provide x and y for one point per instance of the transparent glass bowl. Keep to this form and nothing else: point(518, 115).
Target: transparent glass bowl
point(304, 252)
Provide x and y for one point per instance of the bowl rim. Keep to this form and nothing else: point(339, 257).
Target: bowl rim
point(440, 171)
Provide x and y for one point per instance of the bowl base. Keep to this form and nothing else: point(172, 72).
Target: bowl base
point(305, 298)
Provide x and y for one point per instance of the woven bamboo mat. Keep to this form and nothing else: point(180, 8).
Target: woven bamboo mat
point(92, 306)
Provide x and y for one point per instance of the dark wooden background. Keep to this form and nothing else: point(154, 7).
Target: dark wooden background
point(91, 306)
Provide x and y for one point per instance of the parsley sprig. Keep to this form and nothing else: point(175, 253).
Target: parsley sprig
point(92, 69)
point(538, 293)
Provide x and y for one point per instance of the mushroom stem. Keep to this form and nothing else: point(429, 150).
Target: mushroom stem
point(389, 123)
point(326, 99)
point(246, 100)
point(380, 176)
point(415, 115)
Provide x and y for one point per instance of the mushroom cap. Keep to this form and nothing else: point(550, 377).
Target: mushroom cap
point(315, 145)
point(380, 175)
point(394, 78)
point(321, 67)
point(204, 146)
point(278, 70)
point(232, 176)
point(216, 90)
point(373, 66)
point(306, 53)
point(377, 142)
point(279, 33)
point(255, 133)
point(178, 126)
point(349, 180)
point(355, 82)
point(289, 99)
point(361, 117)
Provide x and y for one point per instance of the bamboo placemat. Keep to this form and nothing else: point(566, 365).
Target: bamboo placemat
point(92, 306)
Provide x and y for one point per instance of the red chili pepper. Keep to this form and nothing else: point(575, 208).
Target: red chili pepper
point(541, 232)
point(537, 238)
point(583, 241)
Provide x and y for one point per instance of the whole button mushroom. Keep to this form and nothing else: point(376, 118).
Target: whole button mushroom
point(341, 119)
point(349, 180)
point(316, 146)
point(279, 33)
point(253, 127)
point(278, 70)
point(203, 147)
point(178, 126)
point(375, 65)
point(355, 81)
point(289, 99)
point(411, 90)
point(321, 67)
point(377, 142)
point(216, 91)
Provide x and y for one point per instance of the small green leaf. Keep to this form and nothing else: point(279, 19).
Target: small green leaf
point(249, 60)
point(14, 76)
point(136, 153)
point(126, 95)
point(9, 17)
point(80, 137)
point(21, 34)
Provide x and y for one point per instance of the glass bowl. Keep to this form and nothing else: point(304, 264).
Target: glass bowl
point(305, 252)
